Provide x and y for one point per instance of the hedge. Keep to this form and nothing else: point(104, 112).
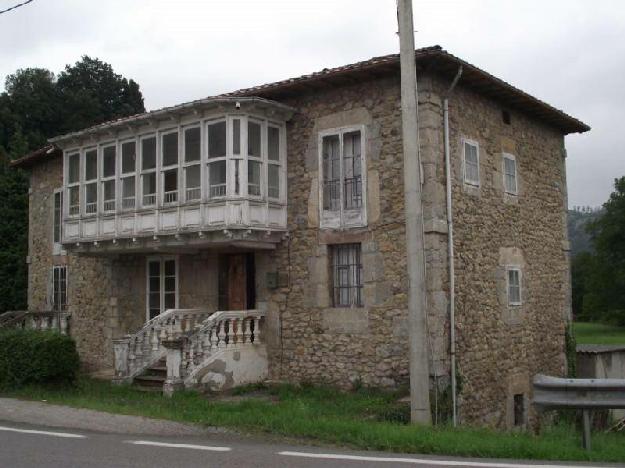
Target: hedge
point(36, 357)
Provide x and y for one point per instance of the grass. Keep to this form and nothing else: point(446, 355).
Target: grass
point(365, 419)
point(597, 333)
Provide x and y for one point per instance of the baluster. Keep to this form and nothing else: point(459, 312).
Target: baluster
point(247, 332)
point(239, 331)
point(163, 334)
point(63, 324)
point(222, 334)
point(154, 338)
point(206, 341)
point(257, 337)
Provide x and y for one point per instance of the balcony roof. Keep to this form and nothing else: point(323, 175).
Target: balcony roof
point(281, 110)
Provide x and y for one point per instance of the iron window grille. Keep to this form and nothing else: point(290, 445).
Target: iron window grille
point(59, 288)
point(347, 275)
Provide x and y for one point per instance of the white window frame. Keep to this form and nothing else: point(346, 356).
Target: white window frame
point(162, 259)
point(153, 170)
point(86, 183)
point(518, 269)
point(56, 294)
point(113, 178)
point(126, 175)
point(279, 163)
point(465, 142)
point(261, 160)
point(229, 187)
point(57, 242)
point(67, 209)
point(362, 210)
point(186, 165)
point(172, 197)
point(512, 158)
point(355, 270)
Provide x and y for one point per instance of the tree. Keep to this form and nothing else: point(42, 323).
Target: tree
point(604, 298)
point(92, 93)
point(34, 107)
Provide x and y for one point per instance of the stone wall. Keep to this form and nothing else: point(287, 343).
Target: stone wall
point(500, 348)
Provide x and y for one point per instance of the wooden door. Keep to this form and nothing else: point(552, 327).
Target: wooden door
point(237, 282)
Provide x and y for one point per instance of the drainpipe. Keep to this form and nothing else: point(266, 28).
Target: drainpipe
point(450, 251)
point(415, 256)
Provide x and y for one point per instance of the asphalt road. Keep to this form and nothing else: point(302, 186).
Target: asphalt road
point(36, 434)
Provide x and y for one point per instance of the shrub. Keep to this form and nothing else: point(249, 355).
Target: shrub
point(35, 357)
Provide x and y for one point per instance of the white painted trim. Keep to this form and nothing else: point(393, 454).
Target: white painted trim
point(467, 141)
point(161, 259)
point(510, 268)
point(512, 158)
point(57, 247)
point(340, 131)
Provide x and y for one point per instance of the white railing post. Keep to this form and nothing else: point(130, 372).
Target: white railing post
point(174, 380)
point(121, 348)
point(257, 332)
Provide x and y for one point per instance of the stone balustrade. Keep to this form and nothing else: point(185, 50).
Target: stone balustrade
point(222, 331)
point(134, 353)
point(40, 320)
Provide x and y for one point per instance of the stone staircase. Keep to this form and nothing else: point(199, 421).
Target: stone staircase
point(190, 348)
point(153, 378)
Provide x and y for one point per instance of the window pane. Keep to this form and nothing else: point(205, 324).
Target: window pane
point(170, 284)
point(149, 189)
point(331, 159)
point(236, 136)
point(192, 182)
point(217, 178)
point(148, 153)
point(347, 275)
point(273, 181)
point(91, 165)
point(74, 200)
point(514, 287)
point(253, 139)
point(352, 170)
point(253, 178)
point(91, 198)
point(471, 169)
point(192, 144)
point(73, 173)
point(108, 161)
point(170, 301)
point(58, 210)
point(217, 140)
point(170, 268)
point(155, 268)
point(128, 192)
point(170, 149)
point(129, 157)
point(273, 142)
point(170, 185)
point(109, 195)
point(510, 175)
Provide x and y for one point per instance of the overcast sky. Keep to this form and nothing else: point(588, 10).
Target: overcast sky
point(568, 53)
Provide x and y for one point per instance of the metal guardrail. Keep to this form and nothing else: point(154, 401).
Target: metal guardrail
point(585, 394)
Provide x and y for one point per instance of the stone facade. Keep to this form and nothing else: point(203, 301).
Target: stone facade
point(499, 348)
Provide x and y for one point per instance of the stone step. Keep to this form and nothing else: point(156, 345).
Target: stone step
point(150, 380)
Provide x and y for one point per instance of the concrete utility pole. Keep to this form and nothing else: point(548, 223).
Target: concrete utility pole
point(415, 246)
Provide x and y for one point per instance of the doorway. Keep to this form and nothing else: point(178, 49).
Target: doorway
point(162, 285)
point(237, 285)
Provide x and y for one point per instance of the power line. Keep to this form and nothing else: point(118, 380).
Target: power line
point(16, 6)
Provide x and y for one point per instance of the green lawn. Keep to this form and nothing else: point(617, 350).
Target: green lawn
point(597, 333)
point(364, 419)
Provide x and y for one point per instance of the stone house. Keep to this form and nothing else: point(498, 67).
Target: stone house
point(260, 234)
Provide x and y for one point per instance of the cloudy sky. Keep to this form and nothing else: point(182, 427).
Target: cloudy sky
point(570, 53)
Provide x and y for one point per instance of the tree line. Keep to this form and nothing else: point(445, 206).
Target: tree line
point(598, 275)
point(38, 104)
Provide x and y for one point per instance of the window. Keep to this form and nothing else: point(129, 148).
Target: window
point(254, 164)
point(148, 171)
point(57, 217)
point(471, 162)
point(109, 155)
point(273, 166)
point(514, 286)
point(217, 159)
point(509, 174)
point(341, 165)
point(91, 183)
point(347, 275)
point(519, 409)
point(129, 166)
point(236, 154)
point(169, 167)
point(73, 184)
point(162, 287)
point(59, 288)
point(192, 172)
